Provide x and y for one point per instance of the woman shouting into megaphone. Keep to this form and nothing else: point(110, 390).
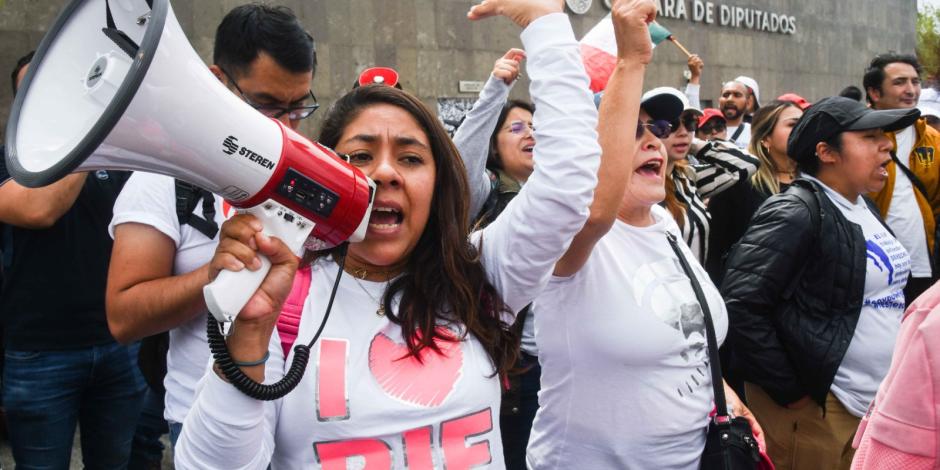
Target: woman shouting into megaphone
point(406, 373)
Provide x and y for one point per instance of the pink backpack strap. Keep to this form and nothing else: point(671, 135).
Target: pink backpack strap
point(288, 322)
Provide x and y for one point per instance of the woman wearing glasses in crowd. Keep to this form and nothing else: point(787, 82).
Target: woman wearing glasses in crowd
point(718, 167)
point(418, 339)
point(731, 211)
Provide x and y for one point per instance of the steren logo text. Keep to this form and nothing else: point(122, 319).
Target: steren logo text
point(230, 146)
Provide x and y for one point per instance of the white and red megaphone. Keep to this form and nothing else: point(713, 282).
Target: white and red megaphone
point(116, 85)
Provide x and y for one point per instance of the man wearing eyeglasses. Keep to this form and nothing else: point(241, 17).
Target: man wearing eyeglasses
point(165, 232)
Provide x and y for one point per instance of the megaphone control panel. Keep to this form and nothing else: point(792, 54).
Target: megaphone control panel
point(307, 193)
point(230, 291)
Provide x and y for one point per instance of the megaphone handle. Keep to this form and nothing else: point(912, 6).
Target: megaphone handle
point(230, 291)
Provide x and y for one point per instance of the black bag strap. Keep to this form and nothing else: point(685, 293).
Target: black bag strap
point(120, 38)
point(738, 132)
point(910, 175)
point(187, 197)
point(714, 363)
point(917, 183)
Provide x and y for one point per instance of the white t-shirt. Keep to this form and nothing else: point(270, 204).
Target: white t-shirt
point(868, 357)
point(151, 200)
point(904, 215)
point(744, 139)
point(625, 375)
point(360, 401)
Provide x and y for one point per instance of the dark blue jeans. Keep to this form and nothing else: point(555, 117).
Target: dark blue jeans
point(46, 393)
point(147, 450)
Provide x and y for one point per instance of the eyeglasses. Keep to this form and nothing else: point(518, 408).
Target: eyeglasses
point(658, 128)
point(714, 126)
point(294, 113)
point(519, 127)
point(688, 121)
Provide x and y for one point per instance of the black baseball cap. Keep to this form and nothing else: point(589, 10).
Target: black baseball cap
point(662, 104)
point(831, 116)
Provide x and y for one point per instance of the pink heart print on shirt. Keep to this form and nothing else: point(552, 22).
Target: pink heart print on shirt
point(426, 383)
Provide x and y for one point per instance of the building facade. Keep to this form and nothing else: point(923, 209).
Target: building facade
point(814, 48)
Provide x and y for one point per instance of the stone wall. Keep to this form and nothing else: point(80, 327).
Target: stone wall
point(433, 46)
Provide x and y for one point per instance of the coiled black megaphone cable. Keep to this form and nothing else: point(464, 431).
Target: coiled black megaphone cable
point(260, 391)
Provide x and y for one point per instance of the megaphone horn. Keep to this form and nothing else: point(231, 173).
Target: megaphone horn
point(116, 85)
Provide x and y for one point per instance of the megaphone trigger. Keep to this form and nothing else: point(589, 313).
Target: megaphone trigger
point(230, 291)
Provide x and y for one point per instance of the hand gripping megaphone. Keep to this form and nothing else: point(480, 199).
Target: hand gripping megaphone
point(116, 85)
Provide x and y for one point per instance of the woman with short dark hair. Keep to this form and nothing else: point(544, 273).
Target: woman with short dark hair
point(814, 289)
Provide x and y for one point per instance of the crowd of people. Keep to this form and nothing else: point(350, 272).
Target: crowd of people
point(580, 281)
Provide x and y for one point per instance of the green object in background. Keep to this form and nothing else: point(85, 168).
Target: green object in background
point(658, 34)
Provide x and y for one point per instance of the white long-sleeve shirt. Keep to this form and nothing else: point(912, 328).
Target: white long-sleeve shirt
point(402, 414)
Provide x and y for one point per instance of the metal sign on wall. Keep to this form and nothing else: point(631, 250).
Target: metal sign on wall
point(731, 16)
point(579, 7)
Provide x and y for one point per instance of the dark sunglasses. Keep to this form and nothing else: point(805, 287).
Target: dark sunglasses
point(713, 126)
point(659, 128)
point(688, 121)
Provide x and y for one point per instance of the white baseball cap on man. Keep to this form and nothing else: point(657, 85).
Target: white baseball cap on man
point(929, 103)
point(752, 84)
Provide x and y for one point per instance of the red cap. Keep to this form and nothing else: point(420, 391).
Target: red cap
point(381, 75)
point(795, 99)
point(709, 114)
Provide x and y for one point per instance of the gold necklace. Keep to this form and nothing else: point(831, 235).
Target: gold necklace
point(379, 311)
point(363, 273)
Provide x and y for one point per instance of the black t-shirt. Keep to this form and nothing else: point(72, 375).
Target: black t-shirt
point(53, 294)
point(731, 213)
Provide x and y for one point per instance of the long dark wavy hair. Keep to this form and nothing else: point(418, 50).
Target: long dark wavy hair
point(443, 281)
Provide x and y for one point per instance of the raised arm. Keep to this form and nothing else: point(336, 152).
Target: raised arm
point(520, 248)
point(619, 113)
point(473, 136)
point(693, 89)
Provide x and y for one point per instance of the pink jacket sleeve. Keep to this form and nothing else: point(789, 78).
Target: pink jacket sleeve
point(900, 431)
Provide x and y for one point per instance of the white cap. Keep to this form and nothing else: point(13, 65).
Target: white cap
point(929, 103)
point(670, 91)
point(752, 84)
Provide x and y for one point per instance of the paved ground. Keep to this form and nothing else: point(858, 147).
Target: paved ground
point(6, 457)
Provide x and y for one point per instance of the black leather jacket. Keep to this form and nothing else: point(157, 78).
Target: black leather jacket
point(794, 287)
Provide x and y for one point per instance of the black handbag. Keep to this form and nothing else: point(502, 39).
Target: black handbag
point(730, 443)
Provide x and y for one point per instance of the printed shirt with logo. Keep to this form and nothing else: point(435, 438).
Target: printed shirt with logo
point(868, 357)
point(625, 372)
point(362, 400)
point(361, 403)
